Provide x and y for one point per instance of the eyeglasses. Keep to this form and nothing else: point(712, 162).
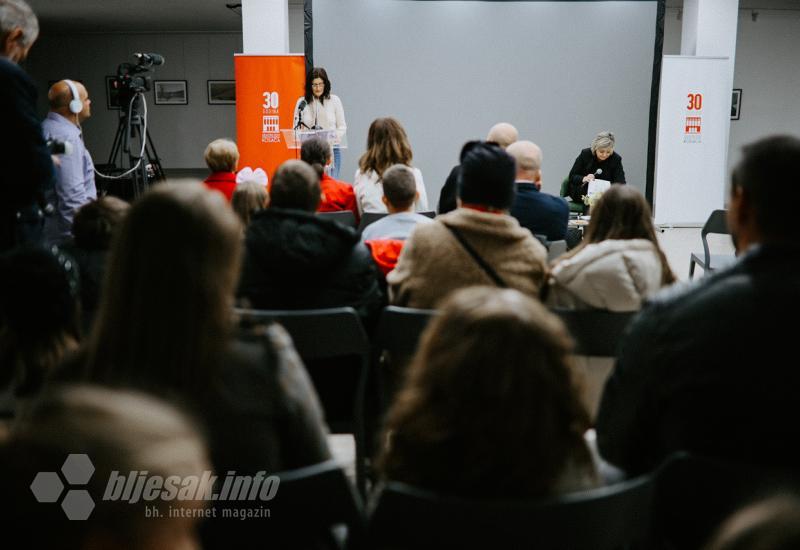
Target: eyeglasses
point(318, 85)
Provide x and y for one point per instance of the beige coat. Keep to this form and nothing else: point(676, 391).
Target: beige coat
point(617, 275)
point(433, 263)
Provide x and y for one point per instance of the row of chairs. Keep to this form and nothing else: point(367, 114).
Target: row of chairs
point(346, 217)
point(337, 333)
point(677, 506)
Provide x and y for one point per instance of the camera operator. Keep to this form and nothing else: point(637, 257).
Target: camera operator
point(69, 107)
point(27, 169)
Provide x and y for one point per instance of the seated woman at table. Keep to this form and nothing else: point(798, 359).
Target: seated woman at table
point(599, 161)
point(619, 263)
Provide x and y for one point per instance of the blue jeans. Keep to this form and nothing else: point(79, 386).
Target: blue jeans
point(337, 163)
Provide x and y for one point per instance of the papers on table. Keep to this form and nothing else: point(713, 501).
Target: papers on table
point(598, 186)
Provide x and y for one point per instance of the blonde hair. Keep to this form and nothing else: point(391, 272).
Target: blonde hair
point(222, 155)
point(248, 198)
point(603, 140)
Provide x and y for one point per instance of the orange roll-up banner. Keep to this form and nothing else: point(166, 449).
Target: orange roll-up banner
point(267, 88)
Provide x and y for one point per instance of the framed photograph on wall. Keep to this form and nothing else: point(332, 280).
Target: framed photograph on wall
point(736, 104)
point(170, 92)
point(222, 92)
point(112, 94)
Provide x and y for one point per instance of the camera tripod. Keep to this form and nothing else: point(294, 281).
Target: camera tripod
point(134, 141)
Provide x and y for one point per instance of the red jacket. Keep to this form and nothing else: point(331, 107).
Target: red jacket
point(338, 196)
point(385, 253)
point(224, 182)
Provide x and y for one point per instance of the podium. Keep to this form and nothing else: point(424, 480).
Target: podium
point(294, 139)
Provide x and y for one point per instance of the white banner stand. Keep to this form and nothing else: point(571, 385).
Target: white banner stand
point(693, 112)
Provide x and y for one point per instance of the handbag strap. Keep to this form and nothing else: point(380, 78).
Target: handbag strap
point(478, 259)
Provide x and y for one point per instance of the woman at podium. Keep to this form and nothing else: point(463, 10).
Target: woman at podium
point(319, 109)
point(598, 161)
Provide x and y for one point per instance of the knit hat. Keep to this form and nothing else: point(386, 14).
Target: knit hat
point(487, 175)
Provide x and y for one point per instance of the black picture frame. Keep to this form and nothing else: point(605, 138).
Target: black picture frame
point(171, 92)
point(736, 104)
point(221, 92)
point(112, 94)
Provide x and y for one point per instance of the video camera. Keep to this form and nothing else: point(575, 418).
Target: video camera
point(132, 78)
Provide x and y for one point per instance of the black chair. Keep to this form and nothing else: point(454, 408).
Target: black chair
point(596, 332)
point(599, 519)
point(308, 508)
point(320, 335)
point(717, 223)
point(693, 495)
point(344, 217)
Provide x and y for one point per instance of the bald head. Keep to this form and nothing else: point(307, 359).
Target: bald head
point(60, 96)
point(503, 134)
point(529, 159)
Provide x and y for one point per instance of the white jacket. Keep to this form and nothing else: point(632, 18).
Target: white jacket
point(617, 275)
point(369, 190)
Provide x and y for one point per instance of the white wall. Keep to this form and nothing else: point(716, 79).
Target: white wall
point(767, 70)
point(180, 132)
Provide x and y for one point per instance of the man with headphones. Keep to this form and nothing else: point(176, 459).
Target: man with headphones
point(69, 107)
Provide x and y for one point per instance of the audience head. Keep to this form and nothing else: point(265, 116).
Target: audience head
point(39, 316)
point(773, 524)
point(756, 210)
point(318, 85)
point(19, 29)
point(317, 152)
point(399, 188)
point(603, 145)
point(622, 213)
point(63, 93)
point(222, 155)
point(118, 431)
point(529, 159)
point(248, 198)
point(387, 144)
point(96, 222)
point(295, 186)
point(487, 175)
point(503, 134)
point(165, 313)
point(434, 424)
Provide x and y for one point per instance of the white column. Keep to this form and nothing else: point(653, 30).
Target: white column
point(265, 26)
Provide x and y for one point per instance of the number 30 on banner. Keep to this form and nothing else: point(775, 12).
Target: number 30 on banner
point(695, 102)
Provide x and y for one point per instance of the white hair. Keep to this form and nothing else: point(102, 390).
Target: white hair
point(603, 140)
point(17, 14)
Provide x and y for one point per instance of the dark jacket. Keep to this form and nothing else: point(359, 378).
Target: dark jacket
point(296, 260)
point(711, 369)
point(587, 163)
point(27, 166)
point(541, 213)
point(449, 193)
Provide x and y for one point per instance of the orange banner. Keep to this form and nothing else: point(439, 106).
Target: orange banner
point(267, 88)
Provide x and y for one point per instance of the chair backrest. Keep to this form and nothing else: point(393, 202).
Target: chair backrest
point(717, 223)
point(399, 329)
point(564, 192)
point(344, 217)
point(556, 249)
point(599, 519)
point(596, 332)
point(370, 217)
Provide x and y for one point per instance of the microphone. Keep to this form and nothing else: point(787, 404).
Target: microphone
point(598, 172)
point(149, 59)
point(300, 108)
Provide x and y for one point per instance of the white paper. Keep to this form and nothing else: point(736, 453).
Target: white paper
point(598, 186)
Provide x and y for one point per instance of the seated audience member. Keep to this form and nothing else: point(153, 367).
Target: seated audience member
point(539, 212)
point(166, 326)
point(706, 368)
point(771, 524)
point(385, 237)
point(222, 158)
point(387, 144)
point(39, 318)
point(249, 198)
point(94, 225)
point(336, 195)
point(117, 431)
point(297, 260)
point(618, 265)
point(477, 244)
point(525, 439)
point(503, 134)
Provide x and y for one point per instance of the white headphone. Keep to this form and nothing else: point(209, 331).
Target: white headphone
point(75, 104)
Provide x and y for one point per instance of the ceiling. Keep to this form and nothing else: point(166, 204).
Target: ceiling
point(196, 15)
